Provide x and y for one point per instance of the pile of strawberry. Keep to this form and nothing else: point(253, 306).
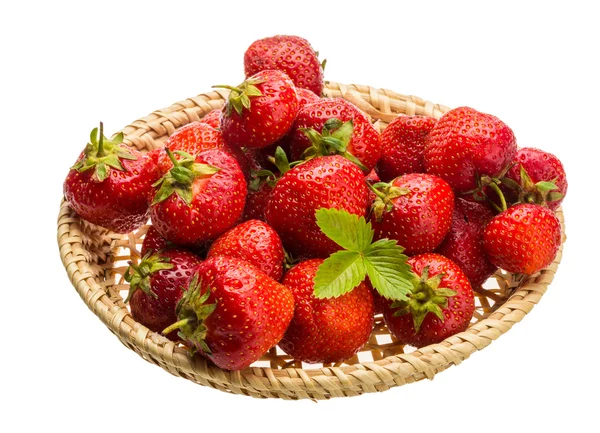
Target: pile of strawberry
point(247, 250)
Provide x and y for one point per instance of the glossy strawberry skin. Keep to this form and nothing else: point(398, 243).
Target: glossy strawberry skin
point(212, 118)
point(464, 242)
point(325, 330)
point(194, 138)
point(540, 166)
point(324, 182)
point(156, 313)
point(255, 242)
point(466, 143)
point(256, 202)
point(523, 239)
point(253, 311)
point(269, 117)
point(290, 54)
point(457, 315)
point(306, 97)
point(364, 144)
point(153, 241)
point(402, 146)
point(419, 220)
point(217, 204)
point(120, 202)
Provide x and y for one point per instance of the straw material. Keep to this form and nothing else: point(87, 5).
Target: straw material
point(95, 260)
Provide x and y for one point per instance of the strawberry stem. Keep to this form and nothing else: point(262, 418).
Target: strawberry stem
point(225, 86)
point(100, 152)
point(500, 195)
point(177, 325)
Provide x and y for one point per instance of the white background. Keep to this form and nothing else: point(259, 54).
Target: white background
point(65, 66)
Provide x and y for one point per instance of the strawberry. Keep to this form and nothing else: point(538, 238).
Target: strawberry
point(523, 239)
point(232, 313)
point(335, 126)
point(402, 146)
point(153, 242)
point(255, 242)
point(199, 198)
point(325, 330)
point(441, 304)
point(464, 242)
point(306, 97)
point(212, 118)
point(539, 177)
point(324, 182)
point(156, 284)
point(468, 149)
point(415, 209)
point(290, 54)
point(259, 111)
point(110, 184)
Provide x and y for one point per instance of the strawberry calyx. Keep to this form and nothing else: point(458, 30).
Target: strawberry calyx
point(101, 154)
point(426, 297)
point(332, 140)
point(181, 177)
point(531, 192)
point(492, 183)
point(192, 310)
point(279, 160)
point(385, 193)
point(138, 276)
point(239, 98)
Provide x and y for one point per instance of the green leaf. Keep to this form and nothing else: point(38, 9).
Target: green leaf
point(546, 186)
point(347, 230)
point(387, 269)
point(101, 171)
point(339, 274)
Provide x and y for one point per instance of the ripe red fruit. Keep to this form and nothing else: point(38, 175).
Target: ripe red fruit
point(523, 239)
point(402, 146)
point(465, 145)
point(199, 198)
point(315, 120)
point(255, 242)
point(259, 111)
point(156, 286)
point(290, 54)
point(233, 313)
point(212, 118)
point(306, 97)
point(111, 183)
point(153, 242)
point(541, 167)
point(464, 242)
point(441, 305)
point(416, 210)
point(325, 330)
point(325, 182)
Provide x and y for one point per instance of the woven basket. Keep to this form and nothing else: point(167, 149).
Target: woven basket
point(95, 260)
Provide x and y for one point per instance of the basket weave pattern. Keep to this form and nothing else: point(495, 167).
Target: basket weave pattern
point(95, 260)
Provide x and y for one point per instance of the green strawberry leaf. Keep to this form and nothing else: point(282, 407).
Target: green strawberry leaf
point(382, 261)
point(339, 274)
point(345, 229)
point(388, 271)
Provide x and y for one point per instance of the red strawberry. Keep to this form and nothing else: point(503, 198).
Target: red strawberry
point(259, 111)
point(290, 54)
point(212, 118)
point(358, 140)
point(402, 146)
point(416, 210)
point(441, 305)
point(110, 184)
point(194, 138)
point(199, 198)
point(544, 180)
point(523, 239)
point(156, 284)
point(255, 242)
point(233, 313)
point(464, 242)
point(306, 97)
point(325, 182)
point(466, 145)
point(329, 329)
point(153, 242)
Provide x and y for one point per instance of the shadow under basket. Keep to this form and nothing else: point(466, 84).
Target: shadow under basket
point(95, 260)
